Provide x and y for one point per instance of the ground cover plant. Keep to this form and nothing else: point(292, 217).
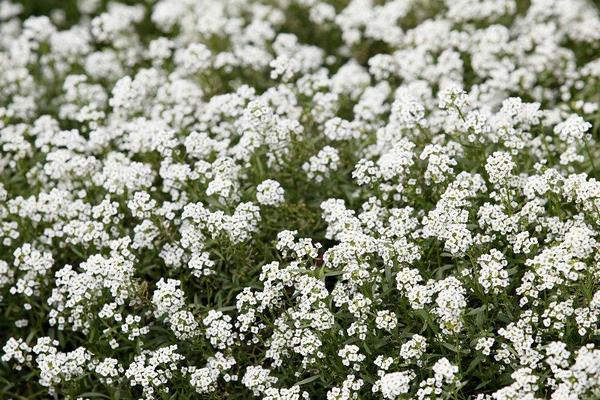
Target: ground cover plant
point(300, 199)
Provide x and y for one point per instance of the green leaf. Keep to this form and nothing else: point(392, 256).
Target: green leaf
point(307, 380)
point(94, 394)
point(476, 361)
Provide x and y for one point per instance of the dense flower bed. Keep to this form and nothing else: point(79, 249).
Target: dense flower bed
point(294, 199)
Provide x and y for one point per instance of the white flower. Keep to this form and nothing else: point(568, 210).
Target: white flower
point(270, 193)
point(572, 130)
point(395, 384)
point(499, 167)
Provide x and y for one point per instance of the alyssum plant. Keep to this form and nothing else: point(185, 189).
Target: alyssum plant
point(300, 199)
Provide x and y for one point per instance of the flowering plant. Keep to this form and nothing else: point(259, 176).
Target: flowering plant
point(300, 199)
